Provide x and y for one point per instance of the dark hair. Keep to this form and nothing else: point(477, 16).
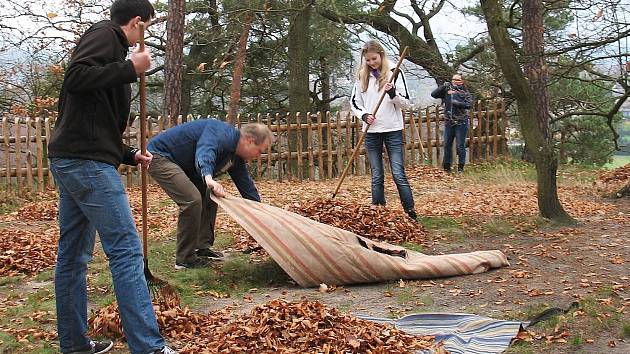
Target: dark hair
point(124, 10)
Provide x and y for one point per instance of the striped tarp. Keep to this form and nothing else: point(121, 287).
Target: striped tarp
point(459, 332)
point(313, 253)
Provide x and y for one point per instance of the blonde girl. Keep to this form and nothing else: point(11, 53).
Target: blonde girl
point(386, 127)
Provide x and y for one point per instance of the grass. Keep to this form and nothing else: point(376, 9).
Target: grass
point(618, 161)
point(576, 340)
point(498, 227)
point(503, 171)
point(438, 222)
point(520, 348)
point(447, 226)
point(413, 246)
point(9, 202)
point(4, 281)
point(232, 277)
point(625, 330)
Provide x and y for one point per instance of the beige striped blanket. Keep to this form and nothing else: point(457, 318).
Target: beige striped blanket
point(313, 253)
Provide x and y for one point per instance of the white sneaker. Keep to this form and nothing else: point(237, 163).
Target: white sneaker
point(165, 350)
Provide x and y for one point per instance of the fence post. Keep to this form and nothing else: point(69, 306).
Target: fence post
point(495, 131)
point(329, 144)
point(478, 133)
point(488, 146)
point(279, 147)
point(29, 156)
point(289, 167)
point(47, 123)
point(268, 170)
point(356, 128)
point(506, 127)
point(5, 134)
point(298, 131)
point(412, 138)
point(471, 140)
point(339, 147)
point(259, 158)
point(309, 144)
point(18, 156)
point(40, 155)
point(420, 140)
point(320, 149)
point(429, 140)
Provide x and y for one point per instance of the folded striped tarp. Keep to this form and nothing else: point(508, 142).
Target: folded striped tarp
point(460, 333)
point(313, 253)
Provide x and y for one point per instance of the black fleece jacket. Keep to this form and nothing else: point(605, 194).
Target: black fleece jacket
point(95, 99)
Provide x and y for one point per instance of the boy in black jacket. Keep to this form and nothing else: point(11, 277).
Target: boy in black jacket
point(85, 150)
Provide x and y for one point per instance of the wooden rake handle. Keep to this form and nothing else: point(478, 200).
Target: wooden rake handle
point(143, 146)
point(367, 125)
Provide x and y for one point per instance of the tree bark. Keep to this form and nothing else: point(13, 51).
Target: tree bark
point(531, 97)
point(324, 77)
point(624, 192)
point(299, 90)
point(239, 68)
point(299, 37)
point(174, 59)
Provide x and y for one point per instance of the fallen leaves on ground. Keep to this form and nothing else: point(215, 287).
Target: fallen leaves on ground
point(501, 200)
point(619, 174)
point(38, 211)
point(373, 222)
point(26, 252)
point(277, 326)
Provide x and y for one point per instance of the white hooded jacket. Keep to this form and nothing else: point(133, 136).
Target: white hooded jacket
point(389, 115)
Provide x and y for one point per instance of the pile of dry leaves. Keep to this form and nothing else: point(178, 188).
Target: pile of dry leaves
point(620, 174)
point(373, 222)
point(38, 211)
point(275, 327)
point(426, 173)
point(26, 252)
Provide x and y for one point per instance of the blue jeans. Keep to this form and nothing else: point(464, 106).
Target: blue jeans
point(92, 198)
point(452, 132)
point(394, 143)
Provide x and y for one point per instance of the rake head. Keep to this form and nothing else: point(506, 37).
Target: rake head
point(159, 288)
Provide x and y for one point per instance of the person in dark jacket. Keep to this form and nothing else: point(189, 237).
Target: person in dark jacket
point(85, 150)
point(186, 160)
point(457, 103)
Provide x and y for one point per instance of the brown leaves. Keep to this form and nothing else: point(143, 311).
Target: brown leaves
point(373, 222)
point(26, 252)
point(39, 211)
point(275, 327)
point(620, 174)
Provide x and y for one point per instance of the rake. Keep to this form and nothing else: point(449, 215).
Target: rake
point(367, 125)
point(158, 287)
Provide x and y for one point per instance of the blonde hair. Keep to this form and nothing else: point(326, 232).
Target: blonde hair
point(373, 46)
point(259, 132)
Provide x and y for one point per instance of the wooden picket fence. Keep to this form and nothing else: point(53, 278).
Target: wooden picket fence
point(312, 147)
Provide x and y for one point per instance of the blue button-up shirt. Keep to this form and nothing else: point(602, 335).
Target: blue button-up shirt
point(206, 147)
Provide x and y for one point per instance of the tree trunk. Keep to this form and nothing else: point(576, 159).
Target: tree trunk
point(298, 50)
point(624, 192)
point(299, 37)
point(239, 67)
point(174, 59)
point(531, 97)
point(324, 77)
